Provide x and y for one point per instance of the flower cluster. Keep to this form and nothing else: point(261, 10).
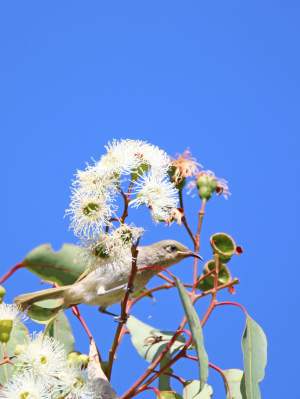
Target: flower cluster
point(94, 201)
point(43, 371)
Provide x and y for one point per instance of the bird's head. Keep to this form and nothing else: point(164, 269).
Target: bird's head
point(169, 252)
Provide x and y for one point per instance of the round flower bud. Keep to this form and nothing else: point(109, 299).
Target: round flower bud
point(83, 360)
point(207, 184)
point(5, 330)
point(2, 293)
point(73, 357)
point(19, 349)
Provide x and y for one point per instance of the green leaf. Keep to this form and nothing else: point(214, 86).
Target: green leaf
point(44, 311)
point(254, 345)
point(149, 341)
point(59, 328)
point(234, 377)
point(164, 379)
point(192, 391)
point(196, 329)
point(62, 267)
point(19, 336)
point(169, 395)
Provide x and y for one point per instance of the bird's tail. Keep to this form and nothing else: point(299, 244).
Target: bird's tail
point(25, 300)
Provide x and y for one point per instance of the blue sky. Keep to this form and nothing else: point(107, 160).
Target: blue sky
point(221, 78)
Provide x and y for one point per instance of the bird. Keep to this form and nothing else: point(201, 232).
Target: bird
point(104, 287)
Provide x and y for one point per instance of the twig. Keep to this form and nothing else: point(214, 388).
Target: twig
point(214, 292)
point(76, 313)
point(134, 388)
point(184, 220)
point(11, 272)
point(216, 368)
point(148, 292)
point(233, 304)
point(124, 315)
point(197, 243)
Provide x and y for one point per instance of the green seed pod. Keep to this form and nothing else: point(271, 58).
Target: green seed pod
point(5, 330)
point(208, 283)
point(206, 185)
point(223, 245)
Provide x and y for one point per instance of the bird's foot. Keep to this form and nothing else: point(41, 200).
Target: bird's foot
point(122, 320)
point(103, 310)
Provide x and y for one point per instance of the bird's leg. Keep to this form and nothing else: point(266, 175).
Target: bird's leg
point(102, 309)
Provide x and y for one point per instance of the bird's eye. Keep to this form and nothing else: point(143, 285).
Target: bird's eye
point(171, 248)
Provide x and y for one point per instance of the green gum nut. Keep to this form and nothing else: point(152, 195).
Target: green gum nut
point(205, 192)
point(2, 293)
point(223, 245)
point(208, 283)
point(5, 330)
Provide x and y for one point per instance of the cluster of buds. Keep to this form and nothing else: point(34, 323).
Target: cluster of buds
point(208, 184)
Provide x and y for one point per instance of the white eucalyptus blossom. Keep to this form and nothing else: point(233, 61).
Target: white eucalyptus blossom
point(126, 156)
point(157, 193)
point(90, 211)
point(94, 191)
point(25, 386)
point(11, 312)
point(75, 384)
point(110, 246)
point(43, 356)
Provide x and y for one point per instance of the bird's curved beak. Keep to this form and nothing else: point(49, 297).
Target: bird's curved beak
point(191, 253)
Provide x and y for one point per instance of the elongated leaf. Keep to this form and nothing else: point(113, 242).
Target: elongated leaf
point(192, 391)
point(196, 329)
point(97, 376)
point(254, 345)
point(62, 267)
point(234, 377)
point(60, 329)
point(19, 336)
point(169, 395)
point(149, 341)
point(44, 311)
point(164, 379)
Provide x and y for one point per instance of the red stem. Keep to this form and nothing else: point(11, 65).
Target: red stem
point(224, 303)
point(11, 272)
point(76, 312)
point(134, 388)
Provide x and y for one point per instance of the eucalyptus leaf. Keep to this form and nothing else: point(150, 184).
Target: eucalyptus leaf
point(19, 336)
point(169, 395)
point(44, 311)
point(149, 341)
point(62, 267)
point(254, 345)
point(97, 376)
point(164, 379)
point(60, 329)
point(233, 377)
point(192, 391)
point(196, 329)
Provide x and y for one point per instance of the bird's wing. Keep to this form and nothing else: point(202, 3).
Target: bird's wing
point(102, 291)
point(83, 275)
